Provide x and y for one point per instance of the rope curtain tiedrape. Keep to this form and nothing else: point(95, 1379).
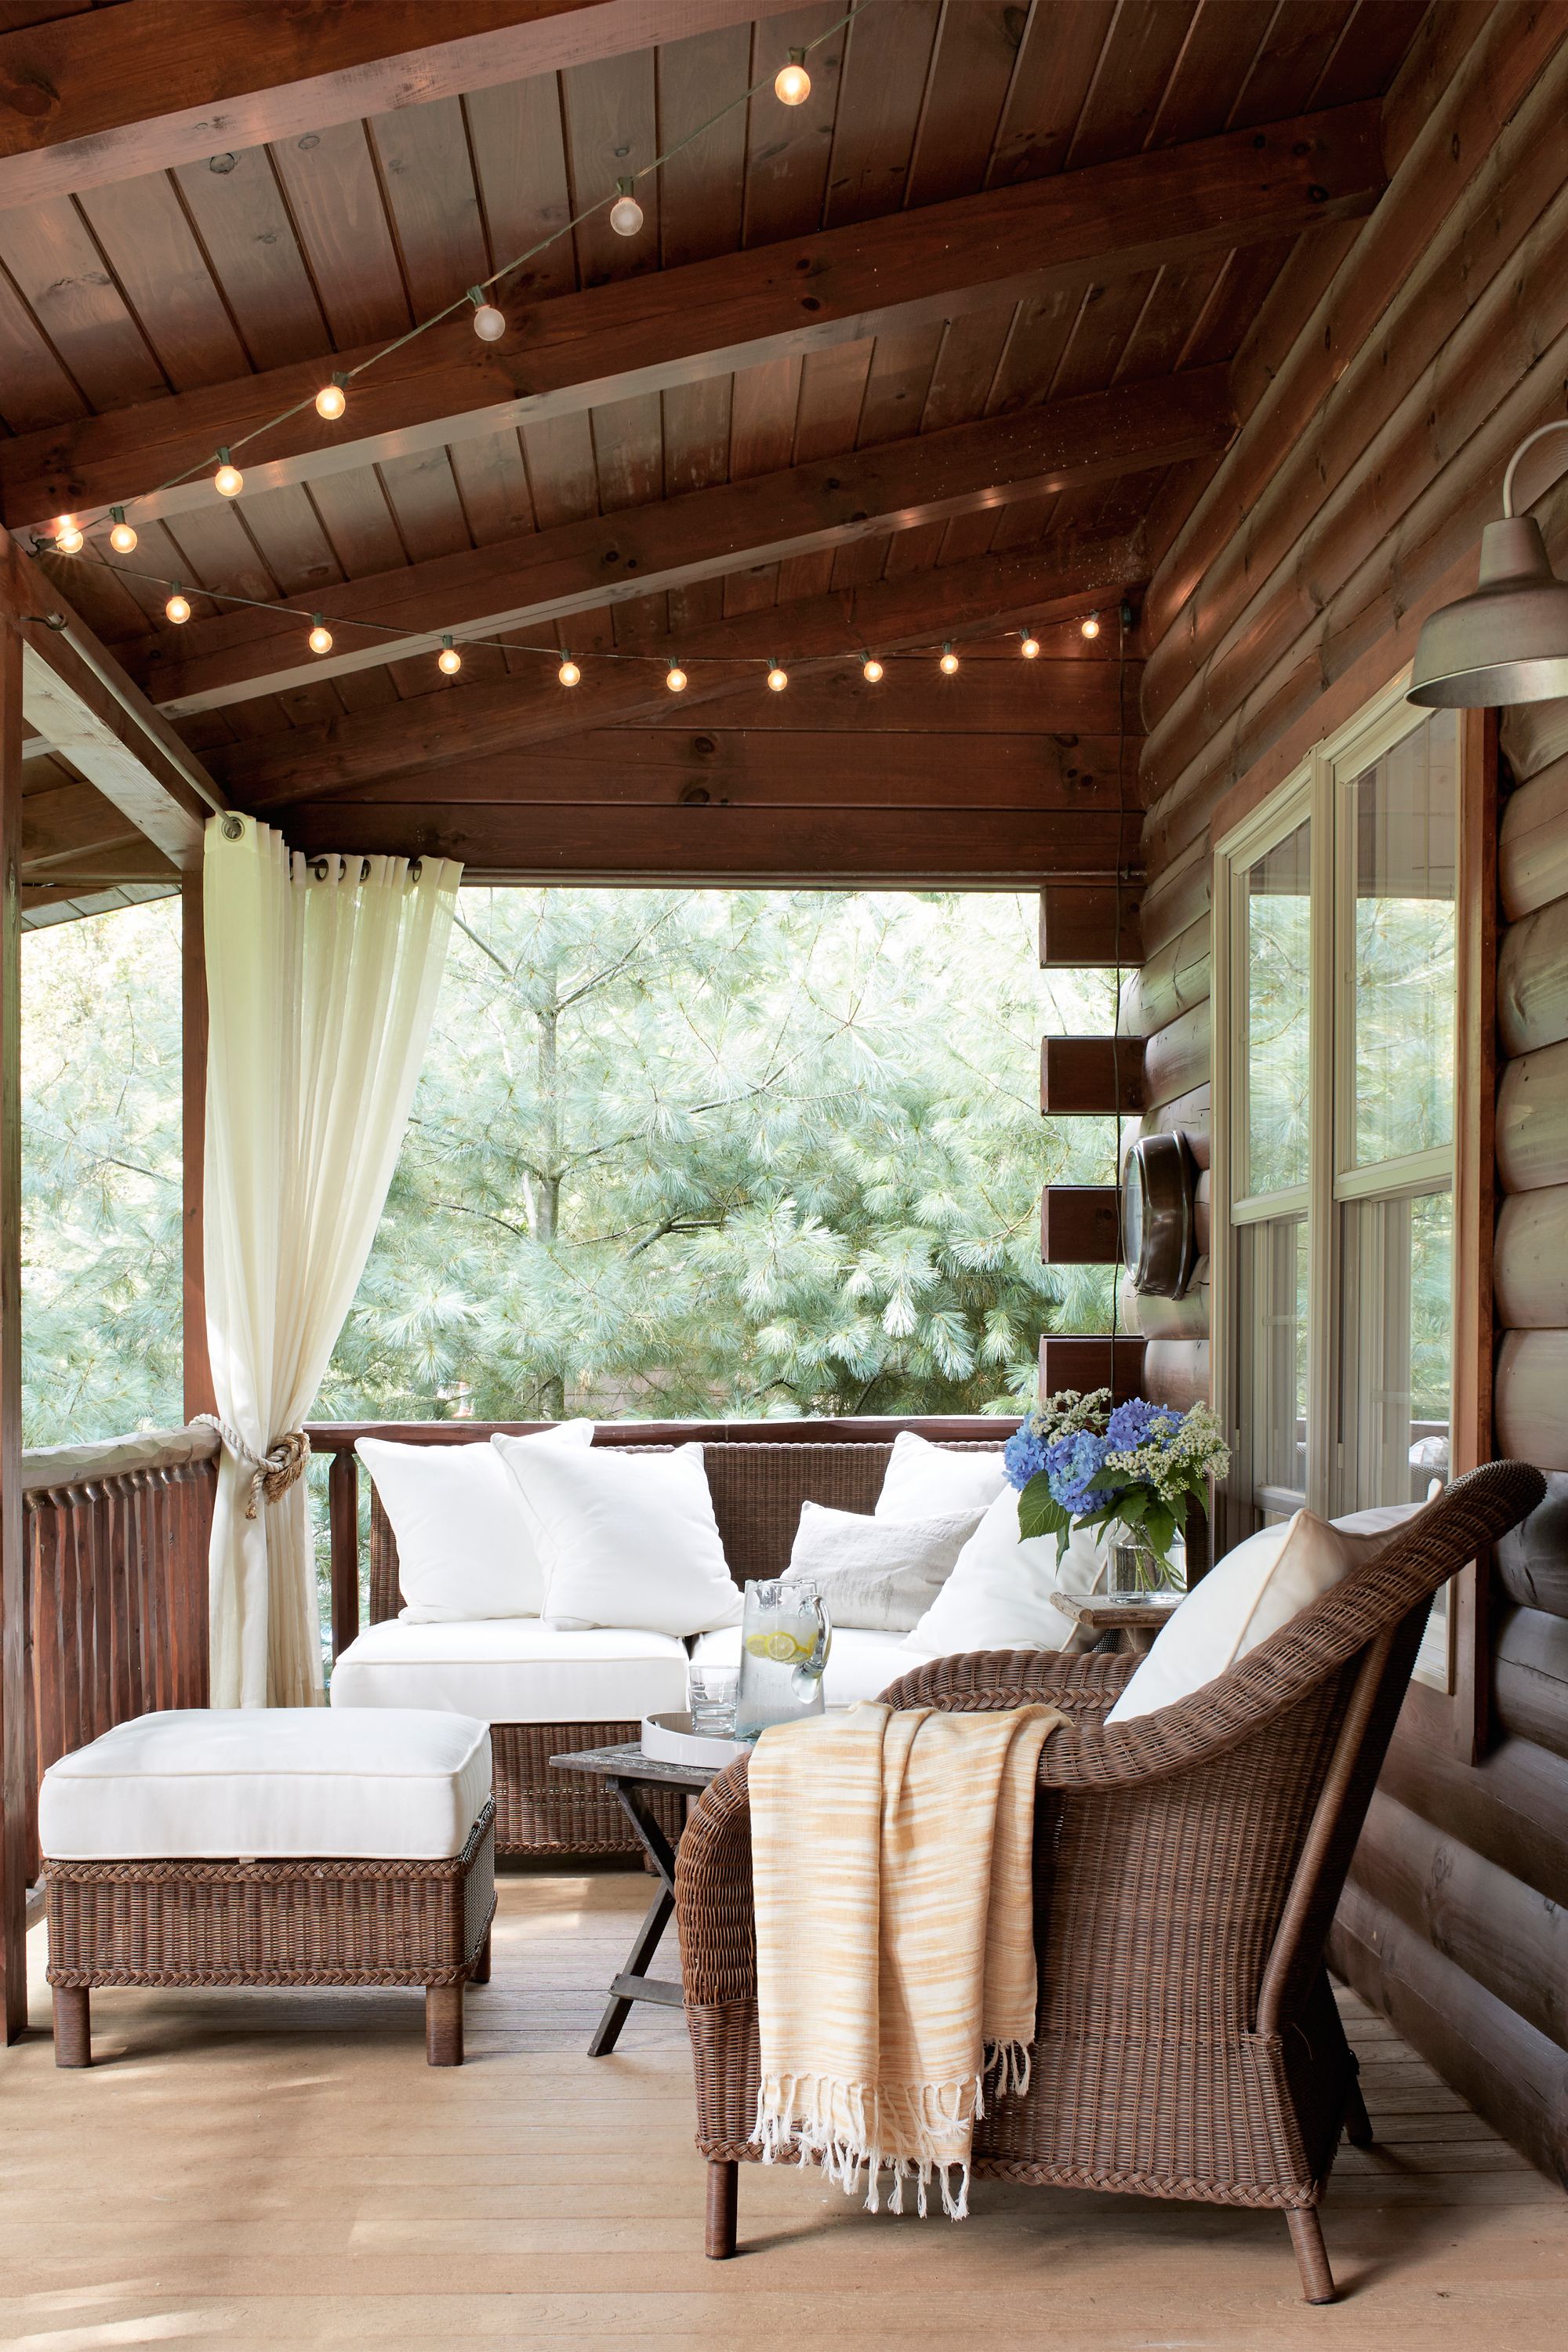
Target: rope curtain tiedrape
point(322, 974)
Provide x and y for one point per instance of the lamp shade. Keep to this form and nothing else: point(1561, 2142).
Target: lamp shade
point(1509, 642)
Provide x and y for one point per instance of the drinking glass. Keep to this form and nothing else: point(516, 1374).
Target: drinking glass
point(713, 1700)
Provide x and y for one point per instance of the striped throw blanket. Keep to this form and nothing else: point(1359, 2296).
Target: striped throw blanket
point(891, 1855)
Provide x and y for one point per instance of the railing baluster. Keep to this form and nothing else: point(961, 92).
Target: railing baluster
point(343, 1528)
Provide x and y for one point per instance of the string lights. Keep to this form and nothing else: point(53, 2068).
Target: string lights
point(490, 324)
point(569, 674)
point(675, 679)
point(870, 669)
point(449, 661)
point(777, 678)
point(321, 637)
point(792, 83)
point(228, 481)
point(1090, 624)
point(626, 212)
point(176, 609)
point(123, 538)
point(1031, 646)
point(67, 536)
point(949, 662)
point(332, 398)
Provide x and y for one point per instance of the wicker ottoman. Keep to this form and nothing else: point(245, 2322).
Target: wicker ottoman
point(271, 1846)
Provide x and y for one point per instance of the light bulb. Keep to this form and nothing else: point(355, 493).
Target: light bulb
point(626, 212)
point(490, 324)
point(778, 678)
point(675, 679)
point(1091, 627)
point(1031, 646)
point(949, 661)
point(123, 538)
point(331, 400)
point(67, 536)
point(792, 83)
point(321, 636)
point(870, 669)
point(228, 481)
point(449, 659)
point(176, 608)
point(569, 672)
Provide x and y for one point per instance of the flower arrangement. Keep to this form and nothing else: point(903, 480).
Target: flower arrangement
point(1078, 1462)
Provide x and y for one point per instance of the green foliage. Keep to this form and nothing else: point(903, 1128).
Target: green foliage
point(683, 1152)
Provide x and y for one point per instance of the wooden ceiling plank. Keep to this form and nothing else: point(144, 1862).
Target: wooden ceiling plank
point(142, 230)
point(677, 326)
point(666, 542)
point(696, 435)
point(703, 188)
point(243, 225)
point(35, 388)
point(832, 394)
point(429, 181)
point(1135, 68)
point(151, 83)
point(756, 590)
point(786, 162)
point(561, 469)
point(611, 115)
point(959, 602)
point(1292, 60)
point(492, 482)
point(1216, 57)
point(340, 220)
point(1107, 321)
point(763, 403)
point(886, 66)
point(359, 523)
point(804, 576)
point(1371, 48)
point(966, 366)
point(519, 157)
point(897, 384)
point(61, 274)
point(294, 546)
point(628, 452)
point(1056, 64)
point(210, 547)
point(972, 72)
point(424, 502)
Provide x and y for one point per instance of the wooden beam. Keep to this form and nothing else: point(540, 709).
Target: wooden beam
point(13, 1564)
point(1055, 235)
point(78, 698)
point(1081, 1225)
point(1092, 923)
point(90, 100)
point(963, 601)
point(1091, 1077)
point(812, 847)
point(1073, 1361)
point(580, 567)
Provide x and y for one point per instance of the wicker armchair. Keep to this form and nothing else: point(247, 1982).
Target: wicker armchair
point(1187, 1868)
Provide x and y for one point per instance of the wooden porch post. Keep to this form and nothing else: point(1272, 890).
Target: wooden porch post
point(193, 1064)
point(13, 1597)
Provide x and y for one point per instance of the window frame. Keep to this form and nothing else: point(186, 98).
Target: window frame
point(1318, 790)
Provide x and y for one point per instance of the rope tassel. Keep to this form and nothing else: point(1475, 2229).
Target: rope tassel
point(272, 1473)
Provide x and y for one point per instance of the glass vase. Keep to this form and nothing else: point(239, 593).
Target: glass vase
point(1134, 1571)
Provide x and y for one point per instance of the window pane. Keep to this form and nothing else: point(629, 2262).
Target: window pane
point(1272, 1395)
point(1396, 1323)
point(1406, 813)
point(1279, 1025)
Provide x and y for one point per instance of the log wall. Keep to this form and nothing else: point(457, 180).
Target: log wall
point(1371, 453)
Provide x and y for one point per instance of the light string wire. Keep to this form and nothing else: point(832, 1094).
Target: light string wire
point(423, 326)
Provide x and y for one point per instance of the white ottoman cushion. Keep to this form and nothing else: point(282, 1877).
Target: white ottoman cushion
point(514, 1670)
point(860, 1665)
point(271, 1783)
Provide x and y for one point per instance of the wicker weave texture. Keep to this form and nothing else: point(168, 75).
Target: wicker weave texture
point(320, 1921)
point(541, 1812)
point(1187, 1866)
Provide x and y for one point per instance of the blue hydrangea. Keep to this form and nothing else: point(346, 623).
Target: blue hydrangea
point(1070, 1463)
point(1133, 1421)
point(1024, 1455)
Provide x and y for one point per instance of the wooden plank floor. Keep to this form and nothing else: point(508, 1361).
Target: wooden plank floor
point(251, 2170)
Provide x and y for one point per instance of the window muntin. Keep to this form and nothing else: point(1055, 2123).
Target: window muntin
point(1277, 1061)
point(1403, 822)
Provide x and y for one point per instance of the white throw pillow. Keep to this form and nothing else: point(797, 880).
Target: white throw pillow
point(1000, 1594)
point(625, 1538)
point(922, 1480)
point(465, 1544)
point(1248, 1595)
point(878, 1574)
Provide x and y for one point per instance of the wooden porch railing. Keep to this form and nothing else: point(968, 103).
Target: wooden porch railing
point(115, 1543)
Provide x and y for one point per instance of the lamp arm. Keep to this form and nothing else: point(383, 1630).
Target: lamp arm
point(1557, 424)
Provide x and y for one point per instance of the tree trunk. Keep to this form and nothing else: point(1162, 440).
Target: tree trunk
point(547, 1220)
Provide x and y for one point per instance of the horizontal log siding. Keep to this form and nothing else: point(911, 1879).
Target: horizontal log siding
point(1349, 506)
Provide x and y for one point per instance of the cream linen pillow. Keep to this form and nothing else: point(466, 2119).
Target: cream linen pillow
point(625, 1538)
point(922, 1481)
point(465, 1544)
point(1248, 1595)
point(1000, 1594)
point(877, 1574)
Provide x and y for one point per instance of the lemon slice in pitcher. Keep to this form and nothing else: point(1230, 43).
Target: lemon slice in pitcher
point(782, 1648)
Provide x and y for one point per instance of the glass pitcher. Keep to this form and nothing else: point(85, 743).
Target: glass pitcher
point(785, 1636)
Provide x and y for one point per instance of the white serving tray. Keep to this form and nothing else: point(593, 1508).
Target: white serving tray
point(668, 1738)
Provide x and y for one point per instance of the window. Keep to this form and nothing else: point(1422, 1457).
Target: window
point(1336, 940)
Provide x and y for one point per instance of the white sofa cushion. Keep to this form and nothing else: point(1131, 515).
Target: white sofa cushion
point(1000, 1595)
point(465, 1544)
point(626, 1539)
point(878, 1574)
point(270, 1782)
point(861, 1663)
point(924, 1480)
point(514, 1670)
point(1246, 1597)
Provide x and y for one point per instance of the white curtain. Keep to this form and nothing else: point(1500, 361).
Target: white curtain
point(322, 980)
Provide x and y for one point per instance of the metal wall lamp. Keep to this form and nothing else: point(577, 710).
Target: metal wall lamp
point(1509, 641)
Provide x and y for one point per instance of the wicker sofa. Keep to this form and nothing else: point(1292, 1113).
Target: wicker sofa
point(758, 1487)
point(1187, 1867)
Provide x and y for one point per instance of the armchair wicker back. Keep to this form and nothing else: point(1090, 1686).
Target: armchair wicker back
point(1187, 1868)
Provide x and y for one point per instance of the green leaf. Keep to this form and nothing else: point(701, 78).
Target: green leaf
point(1133, 1505)
point(1039, 1513)
point(1160, 1526)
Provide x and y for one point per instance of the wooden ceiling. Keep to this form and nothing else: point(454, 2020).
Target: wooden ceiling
point(930, 356)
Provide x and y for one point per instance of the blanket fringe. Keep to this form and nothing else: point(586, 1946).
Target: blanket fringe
point(848, 2129)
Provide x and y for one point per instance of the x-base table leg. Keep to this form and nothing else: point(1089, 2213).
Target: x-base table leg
point(631, 1984)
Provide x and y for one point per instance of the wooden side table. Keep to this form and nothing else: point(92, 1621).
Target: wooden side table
point(1120, 1624)
point(626, 1773)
